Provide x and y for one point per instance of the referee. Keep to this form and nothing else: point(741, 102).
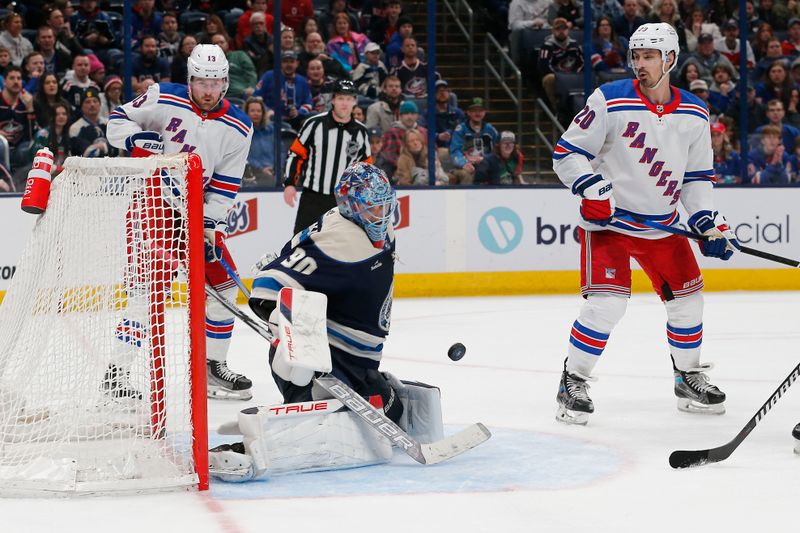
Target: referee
point(325, 146)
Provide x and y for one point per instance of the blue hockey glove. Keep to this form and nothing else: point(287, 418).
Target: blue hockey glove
point(145, 144)
point(721, 241)
point(215, 233)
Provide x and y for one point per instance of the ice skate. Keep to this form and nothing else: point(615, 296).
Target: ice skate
point(695, 393)
point(117, 384)
point(796, 435)
point(574, 404)
point(225, 384)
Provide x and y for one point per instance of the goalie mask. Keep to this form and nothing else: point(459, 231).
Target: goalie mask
point(208, 62)
point(655, 36)
point(365, 196)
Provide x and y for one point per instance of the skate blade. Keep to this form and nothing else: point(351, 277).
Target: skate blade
point(221, 393)
point(690, 406)
point(569, 417)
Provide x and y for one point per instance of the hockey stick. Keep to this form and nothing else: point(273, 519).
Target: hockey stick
point(689, 458)
point(234, 277)
point(426, 454)
point(696, 236)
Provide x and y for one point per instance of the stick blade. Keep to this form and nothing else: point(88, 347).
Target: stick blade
point(689, 458)
point(456, 444)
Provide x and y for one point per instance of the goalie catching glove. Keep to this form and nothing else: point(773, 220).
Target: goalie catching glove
point(597, 204)
point(144, 144)
point(721, 241)
point(215, 232)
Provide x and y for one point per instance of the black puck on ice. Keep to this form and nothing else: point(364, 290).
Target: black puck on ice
point(456, 351)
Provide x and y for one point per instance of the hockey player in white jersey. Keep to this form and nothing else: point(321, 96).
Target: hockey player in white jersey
point(636, 149)
point(174, 118)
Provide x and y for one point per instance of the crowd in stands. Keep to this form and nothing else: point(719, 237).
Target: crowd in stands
point(708, 66)
point(61, 65)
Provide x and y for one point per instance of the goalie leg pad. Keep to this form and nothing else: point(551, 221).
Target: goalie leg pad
point(422, 409)
point(230, 462)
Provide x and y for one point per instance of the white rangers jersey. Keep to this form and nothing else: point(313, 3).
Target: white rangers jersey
point(654, 155)
point(221, 138)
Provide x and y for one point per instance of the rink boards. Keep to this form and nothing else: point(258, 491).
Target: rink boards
point(492, 241)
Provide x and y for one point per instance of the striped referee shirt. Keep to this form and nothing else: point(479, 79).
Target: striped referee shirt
point(323, 149)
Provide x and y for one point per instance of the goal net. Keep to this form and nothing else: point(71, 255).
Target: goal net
point(102, 354)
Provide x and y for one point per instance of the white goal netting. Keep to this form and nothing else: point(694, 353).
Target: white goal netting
point(95, 336)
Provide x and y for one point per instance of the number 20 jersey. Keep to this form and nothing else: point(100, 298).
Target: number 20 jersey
point(655, 155)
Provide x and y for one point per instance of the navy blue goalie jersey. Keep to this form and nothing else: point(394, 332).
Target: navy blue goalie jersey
point(335, 257)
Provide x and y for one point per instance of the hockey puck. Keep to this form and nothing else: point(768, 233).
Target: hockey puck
point(456, 351)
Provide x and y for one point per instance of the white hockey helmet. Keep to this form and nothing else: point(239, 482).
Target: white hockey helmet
point(655, 36)
point(208, 61)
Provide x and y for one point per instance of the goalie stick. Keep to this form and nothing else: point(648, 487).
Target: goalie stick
point(426, 454)
point(689, 458)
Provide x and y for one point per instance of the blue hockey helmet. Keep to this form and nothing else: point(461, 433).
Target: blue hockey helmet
point(365, 196)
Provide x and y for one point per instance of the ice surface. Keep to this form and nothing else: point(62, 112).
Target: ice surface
point(534, 474)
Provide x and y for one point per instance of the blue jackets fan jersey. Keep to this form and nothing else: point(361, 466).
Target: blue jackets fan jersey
point(654, 155)
point(335, 257)
point(221, 138)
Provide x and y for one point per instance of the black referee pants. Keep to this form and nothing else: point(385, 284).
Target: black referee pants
point(312, 205)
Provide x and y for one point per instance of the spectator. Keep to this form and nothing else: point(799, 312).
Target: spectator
point(626, 24)
point(328, 19)
point(169, 38)
point(775, 115)
point(706, 56)
point(769, 163)
point(307, 27)
point(346, 46)
point(569, 10)
point(794, 162)
point(722, 90)
point(393, 138)
point(383, 113)
point(178, 71)
point(504, 165)
point(148, 66)
point(11, 39)
point(777, 84)
point(243, 25)
point(394, 50)
point(33, 67)
point(729, 45)
point(774, 53)
point(756, 111)
point(689, 71)
point(412, 163)
point(15, 126)
point(321, 87)
point(111, 97)
point(315, 49)
point(214, 25)
point(773, 13)
point(73, 86)
point(88, 133)
point(5, 60)
point(700, 89)
point(241, 71)
point(559, 53)
point(295, 93)
point(288, 40)
point(524, 14)
point(698, 26)
point(383, 28)
point(369, 75)
point(751, 16)
point(359, 114)
point(727, 164)
point(791, 46)
point(412, 72)
point(56, 61)
point(472, 141)
point(93, 27)
point(448, 116)
point(761, 40)
point(294, 12)
point(667, 11)
point(261, 159)
point(55, 135)
point(46, 99)
point(795, 72)
point(258, 45)
point(66, 40)
point(97, 70)
point(376, 147)
point(606, 8)
point(146, 21)
point(609, 52)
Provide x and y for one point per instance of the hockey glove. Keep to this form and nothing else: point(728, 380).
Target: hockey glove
point(215, 233)
point(145, 144)
point(721, 241)
point(598, 203)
